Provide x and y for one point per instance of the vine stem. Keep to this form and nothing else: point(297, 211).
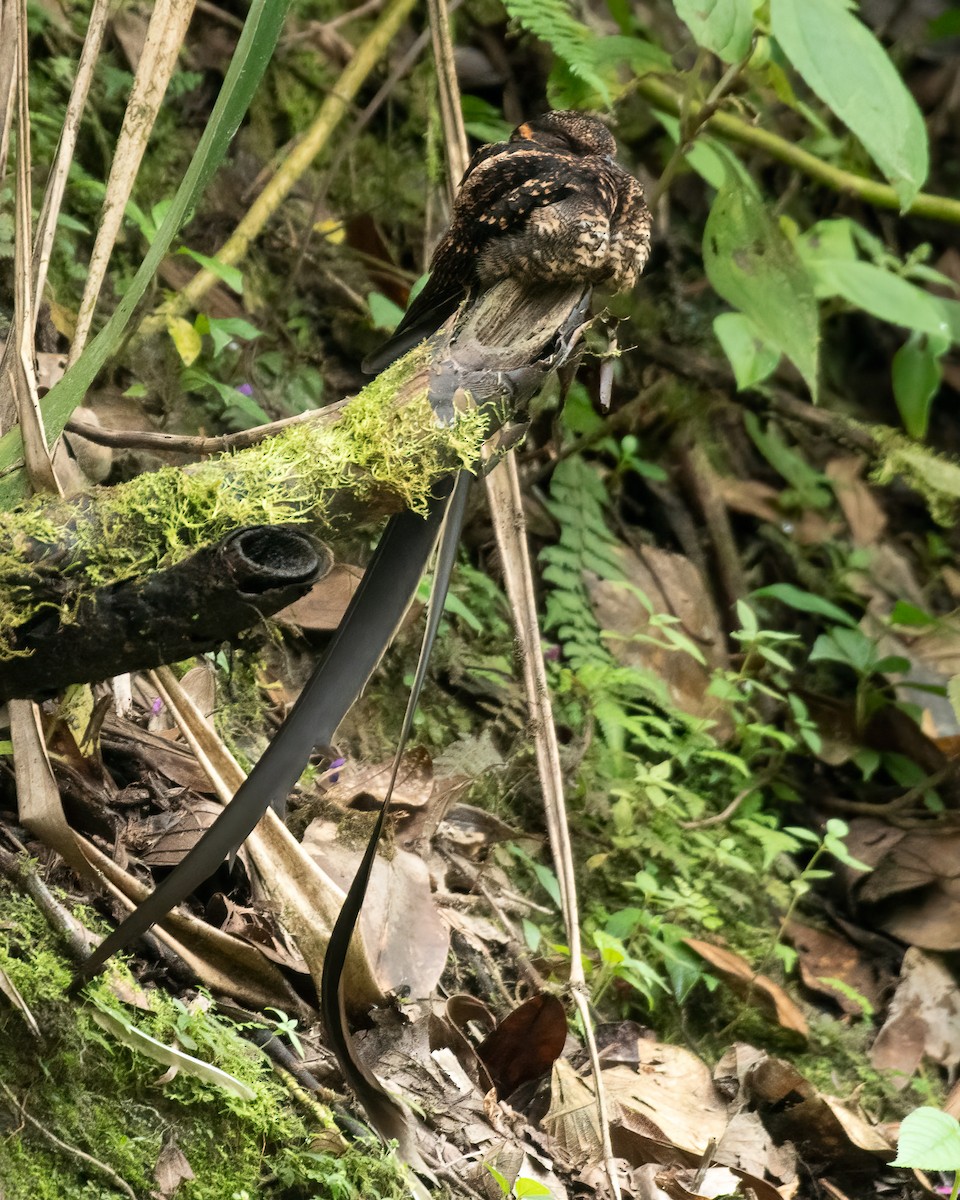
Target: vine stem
point(732, 129)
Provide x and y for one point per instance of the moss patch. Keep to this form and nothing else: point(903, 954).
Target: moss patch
point(109, 1101)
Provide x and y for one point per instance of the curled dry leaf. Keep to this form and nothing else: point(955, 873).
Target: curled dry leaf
point(525, 1044)
point(740, 976)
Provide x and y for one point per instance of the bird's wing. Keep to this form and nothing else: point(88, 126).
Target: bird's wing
point(502, 185)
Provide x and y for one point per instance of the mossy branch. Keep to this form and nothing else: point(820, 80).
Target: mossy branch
point(63, 562)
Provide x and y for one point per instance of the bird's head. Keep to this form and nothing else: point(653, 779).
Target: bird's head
point(570, 132)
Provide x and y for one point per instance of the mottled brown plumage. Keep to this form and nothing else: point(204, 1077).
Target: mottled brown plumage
point(548, 206)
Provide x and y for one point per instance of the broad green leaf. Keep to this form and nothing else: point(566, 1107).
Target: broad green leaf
point(847, 68)
point(904, 613)
point(383, 312)
point(723, 26)
point(880, 293)
point(848, 646)
point(710, 158)
point(794, 597)
point(930, 1140)
point(752, 358)
point(524, 1187)
point(754, 267)
point(255, 47)
point(186, 339)
point(916, 374)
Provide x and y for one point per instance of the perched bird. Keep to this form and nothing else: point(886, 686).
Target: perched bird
point(548, 206)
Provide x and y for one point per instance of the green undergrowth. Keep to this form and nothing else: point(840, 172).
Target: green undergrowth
point(94, 1094)
point(158, 519)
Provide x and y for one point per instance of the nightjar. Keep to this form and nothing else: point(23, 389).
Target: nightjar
point(549, 206)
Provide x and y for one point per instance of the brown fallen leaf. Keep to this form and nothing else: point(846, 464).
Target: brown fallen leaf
point(923, 1020)
point(525, 1044)
point(824, 956)
point(674, 586)
point(737, 973)
point(862, 510)
point(406, 938)
point(322, 607)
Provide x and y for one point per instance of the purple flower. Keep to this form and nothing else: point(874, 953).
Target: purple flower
point(245, 389)
point(156, 706)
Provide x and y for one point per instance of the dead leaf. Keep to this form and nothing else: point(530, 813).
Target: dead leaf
point(323, 606)
point(525, 1044)
point(824, 956)
point(864, 515)
point(923, 1020)
point(675, 587)
point(406, 938)
point(740, 976)
point(172, 1169)
point(364, 785)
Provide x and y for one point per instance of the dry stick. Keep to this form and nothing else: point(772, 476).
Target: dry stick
point(506, 510)
point(165, 34)
point(8, 65)
point(155, 66)
point(196, 445)
point(332, 111)
point(19, 398)
point(71, 1151)
point(733, 129)
point(53, 198)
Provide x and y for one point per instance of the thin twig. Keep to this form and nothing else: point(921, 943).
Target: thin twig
point(182, 443)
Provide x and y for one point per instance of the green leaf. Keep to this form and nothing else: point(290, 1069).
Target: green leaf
point(908, 614)
point(231, 276)
point(529, 1187)
point(383, 312)
point(224, 330)
point(502, 1181)
point(882, 294)
point(754, 267)
point(752, 358)
point(916, 374)
point(794, 597)
point(848, 646)
point(847, 68)
point(930, 1140)
point(723, 26)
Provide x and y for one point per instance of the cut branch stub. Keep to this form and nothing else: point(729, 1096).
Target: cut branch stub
point(166, 616)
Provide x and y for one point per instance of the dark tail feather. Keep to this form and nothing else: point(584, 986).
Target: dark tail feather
point(424, 316)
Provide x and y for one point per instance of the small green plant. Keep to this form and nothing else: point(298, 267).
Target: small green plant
point(285, 1026)
point(930, 1141)
point(521, 1186)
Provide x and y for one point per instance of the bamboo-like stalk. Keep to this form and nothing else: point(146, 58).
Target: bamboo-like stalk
point(332, 112)
point(56, 185)
point(165, 34)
